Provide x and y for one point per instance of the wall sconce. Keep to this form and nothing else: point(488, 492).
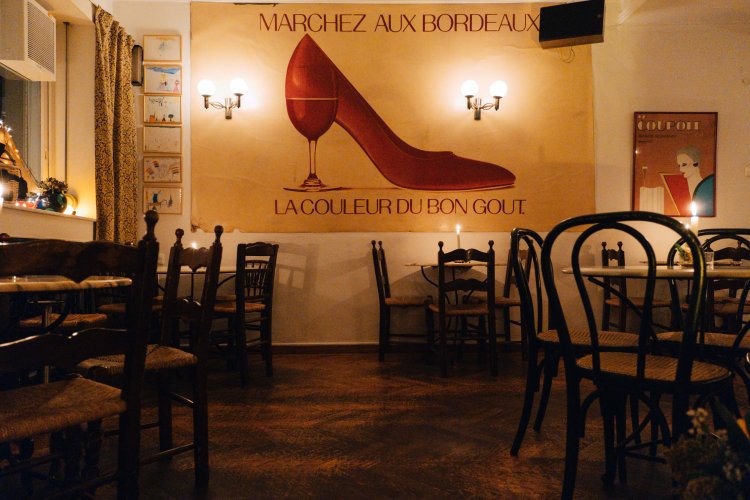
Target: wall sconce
point(470, 88)
point(238, 87)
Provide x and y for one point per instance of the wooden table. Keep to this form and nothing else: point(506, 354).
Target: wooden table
point(663, 272)
point(20, 284)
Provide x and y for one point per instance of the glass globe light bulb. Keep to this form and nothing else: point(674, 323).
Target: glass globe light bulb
point(238, 86)
point(498, 88)
point(469, 88)
point(206, 88)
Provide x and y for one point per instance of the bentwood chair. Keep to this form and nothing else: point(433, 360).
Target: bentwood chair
point(388, 302)
point(167, 358)
point(250, 309)
point(729, 345)
point(644, 374)
point(525, 248)
point(63, 407)
point(622, 299)
point(458, 311)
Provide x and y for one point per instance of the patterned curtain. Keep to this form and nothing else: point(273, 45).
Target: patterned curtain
point(115, 135)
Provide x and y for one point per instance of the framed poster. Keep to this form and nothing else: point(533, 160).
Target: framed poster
point(162, 109)
point(674, 163)
point(162, 169)
point(162, 48)
point(162, 79)
point(158, 139)
point(163, 199)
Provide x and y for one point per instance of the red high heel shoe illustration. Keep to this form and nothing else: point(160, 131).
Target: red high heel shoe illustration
point(317, 94)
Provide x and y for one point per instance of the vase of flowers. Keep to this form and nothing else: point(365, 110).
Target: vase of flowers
point(53, 191)
point(712, 464)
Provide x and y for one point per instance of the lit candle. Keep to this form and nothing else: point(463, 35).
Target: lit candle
point(458, 235)
point(194, 244)
point(694, 218)
point(2, 192)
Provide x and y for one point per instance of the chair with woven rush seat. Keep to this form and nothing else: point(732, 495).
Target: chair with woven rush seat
point(645, 374)
point(610, 301)
point(165, 359)
point(525, 247)
point(251, 306)
point(387, 302)
point(64, 406)
point(459, 311)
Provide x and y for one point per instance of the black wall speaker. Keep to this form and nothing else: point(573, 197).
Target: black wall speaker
point(571, 24)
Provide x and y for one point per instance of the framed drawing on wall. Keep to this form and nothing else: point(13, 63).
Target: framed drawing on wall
point(162, 169)
point(162, 79)
point(163, 199)
point(162, 48)
point(163, 109)
point(674, 163)
point(159, 139)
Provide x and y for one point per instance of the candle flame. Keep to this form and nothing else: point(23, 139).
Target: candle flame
point(458, 228)
point(694, 208)
point(194, 244)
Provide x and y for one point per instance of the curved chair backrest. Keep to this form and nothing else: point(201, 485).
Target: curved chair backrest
point(530, 293)
point(198, 313)
point(381, 271)
point(618, 221)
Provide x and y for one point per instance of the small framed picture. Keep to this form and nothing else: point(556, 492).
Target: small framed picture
point(162, 48)
point(163, 199)
point(162, 109)
point(158, 139)
point(162, 79)
point(162, 169)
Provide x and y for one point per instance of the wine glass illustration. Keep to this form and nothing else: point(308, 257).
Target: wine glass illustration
point(311, 103)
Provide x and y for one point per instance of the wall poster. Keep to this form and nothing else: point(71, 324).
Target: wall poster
point(354, 119)
point(674, 163)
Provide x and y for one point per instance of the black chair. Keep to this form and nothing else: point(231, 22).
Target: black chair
point(729, 345)
point(388, 302)
point(645, 374)
point(62, 407)
point(459, 311)
point(251, 306)
point(621, 300)
point(166, 358)
point(525, 248)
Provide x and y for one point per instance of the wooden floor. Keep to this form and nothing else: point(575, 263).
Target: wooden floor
point(346, 426)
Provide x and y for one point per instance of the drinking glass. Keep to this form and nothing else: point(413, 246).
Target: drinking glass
point(709, 256)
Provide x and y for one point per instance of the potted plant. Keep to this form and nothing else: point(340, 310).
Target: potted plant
point(53, 191)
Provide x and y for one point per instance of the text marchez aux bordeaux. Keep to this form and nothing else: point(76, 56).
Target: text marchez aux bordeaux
point(399, 23)
point(399, 206)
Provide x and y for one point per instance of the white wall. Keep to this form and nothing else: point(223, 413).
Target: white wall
point(325, 291)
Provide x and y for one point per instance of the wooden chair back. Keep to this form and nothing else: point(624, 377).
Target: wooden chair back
point(381, 272)
point(197, 313)
point(449, 285)
point(525, 249)
point(256, 274)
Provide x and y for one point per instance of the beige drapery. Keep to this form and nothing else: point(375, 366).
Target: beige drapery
point(116, 157)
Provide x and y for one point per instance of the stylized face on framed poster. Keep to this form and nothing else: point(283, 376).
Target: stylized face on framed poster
point(674, 163)
point(163, 109)
point(162, 79)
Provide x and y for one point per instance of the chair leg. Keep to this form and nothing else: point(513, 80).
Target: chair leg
point(605, 316)
point(267, 345)
point(492, 350)
point(571, 434)
point(128, 449)
point(165, 412)
point(532, 383)
point(622, 435)
point(550, 362)
point(654, 425)
point(622, 325)
point(240, 346)
point(610, 456)
point(430, 325)
point(634, 417)
point(200, 426)
point(383, 337)
point(443, 350)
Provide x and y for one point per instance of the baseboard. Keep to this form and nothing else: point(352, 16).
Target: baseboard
point(368, 348)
